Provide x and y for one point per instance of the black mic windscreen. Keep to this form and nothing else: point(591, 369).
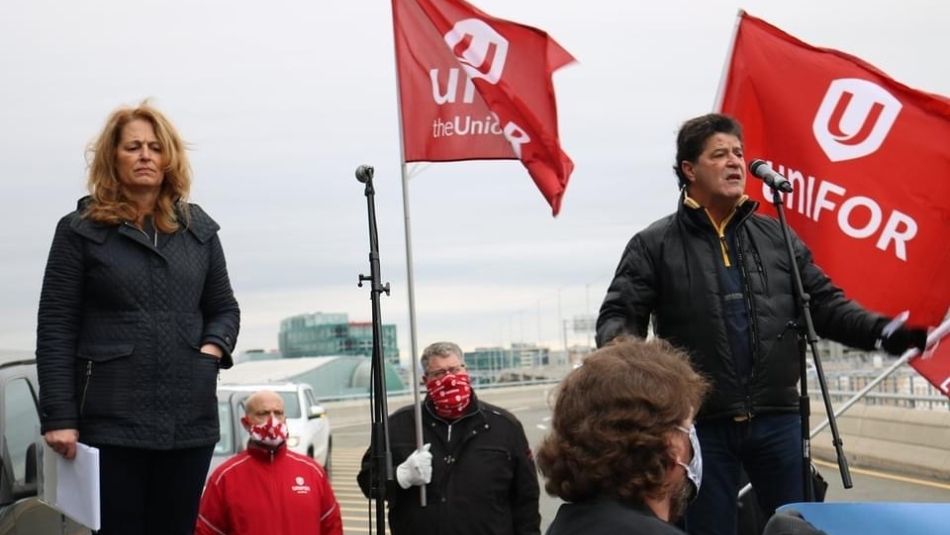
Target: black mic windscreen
point(364, 173)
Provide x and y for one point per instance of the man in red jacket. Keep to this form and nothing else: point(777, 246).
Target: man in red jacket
point(267, 488)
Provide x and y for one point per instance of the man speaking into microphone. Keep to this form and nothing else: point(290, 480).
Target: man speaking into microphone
point(716, 279)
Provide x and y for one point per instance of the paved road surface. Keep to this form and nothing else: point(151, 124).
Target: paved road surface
point(351, 437)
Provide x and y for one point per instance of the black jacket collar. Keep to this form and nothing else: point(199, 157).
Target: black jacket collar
point(695, 214)
point(196, 221)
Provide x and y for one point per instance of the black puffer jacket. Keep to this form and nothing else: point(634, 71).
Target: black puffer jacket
point(483, 476)
point(120, 325)
point(606, 516)
point(670, 271)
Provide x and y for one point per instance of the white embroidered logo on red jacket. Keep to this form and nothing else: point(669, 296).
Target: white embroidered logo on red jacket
point(301, 487)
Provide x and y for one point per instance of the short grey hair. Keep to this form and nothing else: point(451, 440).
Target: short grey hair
point(440, 349)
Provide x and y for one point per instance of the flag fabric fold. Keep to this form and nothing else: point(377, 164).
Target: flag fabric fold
point(869, 160)
point(475, 87)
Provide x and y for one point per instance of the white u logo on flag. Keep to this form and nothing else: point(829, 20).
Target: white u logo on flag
point(479, 48)
point(854, 118)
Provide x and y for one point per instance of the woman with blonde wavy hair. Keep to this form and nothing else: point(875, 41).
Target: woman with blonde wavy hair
point(113, 203)
point(136, 316)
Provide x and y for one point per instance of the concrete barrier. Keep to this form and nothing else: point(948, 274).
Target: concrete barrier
point(358, 412)
point(909, 441)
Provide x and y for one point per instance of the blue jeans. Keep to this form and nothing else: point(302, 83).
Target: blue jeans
point(768, 446)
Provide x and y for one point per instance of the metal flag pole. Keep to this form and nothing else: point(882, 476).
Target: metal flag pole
point(410, 282)
point(932, 338)
point(410, 286)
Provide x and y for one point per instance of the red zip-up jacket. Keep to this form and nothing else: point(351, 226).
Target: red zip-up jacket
point(268, 491)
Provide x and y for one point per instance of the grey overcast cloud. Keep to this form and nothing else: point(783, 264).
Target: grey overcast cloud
point(281, 100)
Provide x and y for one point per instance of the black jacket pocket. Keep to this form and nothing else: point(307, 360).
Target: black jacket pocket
point(104, 352)
point(104, 372)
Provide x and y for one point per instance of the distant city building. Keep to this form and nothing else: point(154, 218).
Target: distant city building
point(318, 334)
point(531, 356)
point(491, 359)
point(328, 376)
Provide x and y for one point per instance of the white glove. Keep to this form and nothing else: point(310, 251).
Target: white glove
point(416, 469)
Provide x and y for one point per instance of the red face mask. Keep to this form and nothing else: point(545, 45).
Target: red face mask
point(271, 433)
point(450, 394)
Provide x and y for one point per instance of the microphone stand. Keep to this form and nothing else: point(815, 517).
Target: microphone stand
point(811, 337)
point(382, 468)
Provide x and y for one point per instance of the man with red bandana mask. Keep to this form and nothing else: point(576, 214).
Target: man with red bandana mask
point(476, 465)
point(268, 488)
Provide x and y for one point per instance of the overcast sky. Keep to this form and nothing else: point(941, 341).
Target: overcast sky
point(281, 100)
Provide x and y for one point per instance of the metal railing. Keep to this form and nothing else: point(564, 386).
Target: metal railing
point(408, 392)
point(908, 401)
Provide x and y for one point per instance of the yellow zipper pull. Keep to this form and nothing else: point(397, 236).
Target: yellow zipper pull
point(725, 250)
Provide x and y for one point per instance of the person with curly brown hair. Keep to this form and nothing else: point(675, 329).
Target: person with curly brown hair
point(622, 451)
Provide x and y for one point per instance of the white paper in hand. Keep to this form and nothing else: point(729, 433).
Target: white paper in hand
point(72, 487)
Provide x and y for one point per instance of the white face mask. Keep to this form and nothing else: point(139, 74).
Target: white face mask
point(694, 470)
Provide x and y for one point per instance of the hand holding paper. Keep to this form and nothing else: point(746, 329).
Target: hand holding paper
point(62, 441)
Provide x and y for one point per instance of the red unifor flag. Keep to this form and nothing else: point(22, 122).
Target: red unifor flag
point(869, 159)
point(934, 363)
point(473, 87)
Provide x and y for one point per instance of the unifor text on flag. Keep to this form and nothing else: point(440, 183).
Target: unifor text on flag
point(869, 160)
point(474, 87)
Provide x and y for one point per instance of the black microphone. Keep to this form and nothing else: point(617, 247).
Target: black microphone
point(364, 173)
point(762, 170)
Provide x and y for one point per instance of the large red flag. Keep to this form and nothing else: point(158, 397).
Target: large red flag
point(868, 156)
point(473, 87)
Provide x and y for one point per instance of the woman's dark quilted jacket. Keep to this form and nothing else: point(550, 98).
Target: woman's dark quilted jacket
point(120, 324)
